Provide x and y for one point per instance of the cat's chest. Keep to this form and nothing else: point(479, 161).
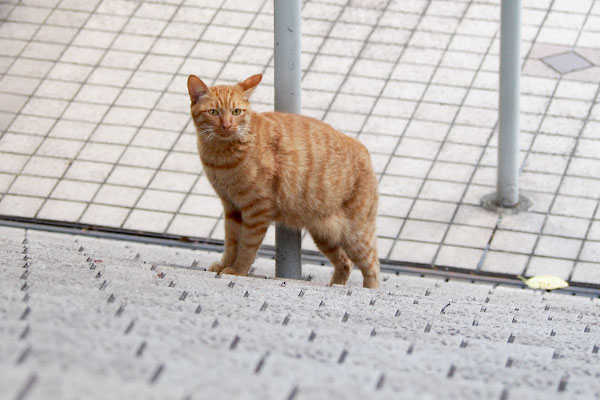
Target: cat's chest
point(235, 174)
point(220, 180)
point(223, 170)
point(225, 183)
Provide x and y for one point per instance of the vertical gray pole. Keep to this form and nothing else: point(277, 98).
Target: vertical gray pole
point(510, 71)
point(287, 99)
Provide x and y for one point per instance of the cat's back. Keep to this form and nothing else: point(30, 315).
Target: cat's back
point(310, 134)
point(315, 167)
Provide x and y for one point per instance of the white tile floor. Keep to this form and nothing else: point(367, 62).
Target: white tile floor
point(95, 126)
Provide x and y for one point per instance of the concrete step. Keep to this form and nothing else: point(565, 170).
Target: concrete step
point(149, 321)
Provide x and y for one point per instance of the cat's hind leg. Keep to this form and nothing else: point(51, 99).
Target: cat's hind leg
point(361, 247)
point(341, 263)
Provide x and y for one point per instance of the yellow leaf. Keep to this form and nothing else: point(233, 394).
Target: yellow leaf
point(545, 282)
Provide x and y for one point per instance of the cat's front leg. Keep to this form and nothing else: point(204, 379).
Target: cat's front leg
point(256, 218)
point(250, 239)
point(233, 223)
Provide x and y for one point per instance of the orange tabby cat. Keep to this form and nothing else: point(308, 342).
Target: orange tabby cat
point(288, 169)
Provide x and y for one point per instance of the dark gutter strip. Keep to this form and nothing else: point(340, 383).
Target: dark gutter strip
point(165, 239)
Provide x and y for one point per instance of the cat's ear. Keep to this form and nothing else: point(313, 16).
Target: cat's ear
point(196, 88)
point(249, 84)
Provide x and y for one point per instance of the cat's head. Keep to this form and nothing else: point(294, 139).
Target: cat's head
point(221, 112)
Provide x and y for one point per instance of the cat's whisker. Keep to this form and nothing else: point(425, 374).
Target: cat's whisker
point(206, 135)
point(210, 137)
point(239, 133)
point(242, 131)
point(204, 131)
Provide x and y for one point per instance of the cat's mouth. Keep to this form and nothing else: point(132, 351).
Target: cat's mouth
point(227, 133)
point(221, 134)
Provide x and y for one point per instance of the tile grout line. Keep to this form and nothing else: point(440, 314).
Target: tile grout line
point(551, 205)
point(366, 95)
point(380, 236)
point(418, 102)
point(544, 114)
point(497, 225)
point(56, 119)
point(451, 222)
point(44, 24)
point(364, 45)
point(540, 233)
point(421, 119)
point(413, 114)
point(160, 236)
point(185, 126)
point(326, 91)
point(587, 16)
point(73, 99)
point(362, 114)
point(528, 151)
point(584, 240)
point(332, 23)
point(458, 68)
point(399, 175)
point(190, 120)
point(322, 44)
point(340, 91)
point(137, 127)
point(149, 36)
point(18, 56)
point(308, 34)
point(460, 202)
point(111, 143)
point(4, 20)
point(324, 113)
point(390, 79)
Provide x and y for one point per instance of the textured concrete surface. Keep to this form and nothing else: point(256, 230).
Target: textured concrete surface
point(95, 319)
point(95, 129)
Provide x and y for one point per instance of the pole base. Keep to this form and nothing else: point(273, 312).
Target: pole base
point(490, 203)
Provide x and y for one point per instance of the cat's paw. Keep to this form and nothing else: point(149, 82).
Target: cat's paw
point(371, 282)
point(217, 267)
point(228, 271)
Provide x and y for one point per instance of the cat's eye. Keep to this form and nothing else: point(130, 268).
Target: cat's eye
point(236, 112)
point(213, 111)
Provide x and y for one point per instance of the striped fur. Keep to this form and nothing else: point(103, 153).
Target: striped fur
point(289, 169)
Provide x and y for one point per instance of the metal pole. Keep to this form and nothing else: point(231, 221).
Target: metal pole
point(510, 72)
point(287, 99)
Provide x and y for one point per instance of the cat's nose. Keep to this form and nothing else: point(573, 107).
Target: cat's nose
point(225, 123)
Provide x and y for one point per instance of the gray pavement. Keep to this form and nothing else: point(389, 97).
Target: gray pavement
point(94, 318)
point(94, 124)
